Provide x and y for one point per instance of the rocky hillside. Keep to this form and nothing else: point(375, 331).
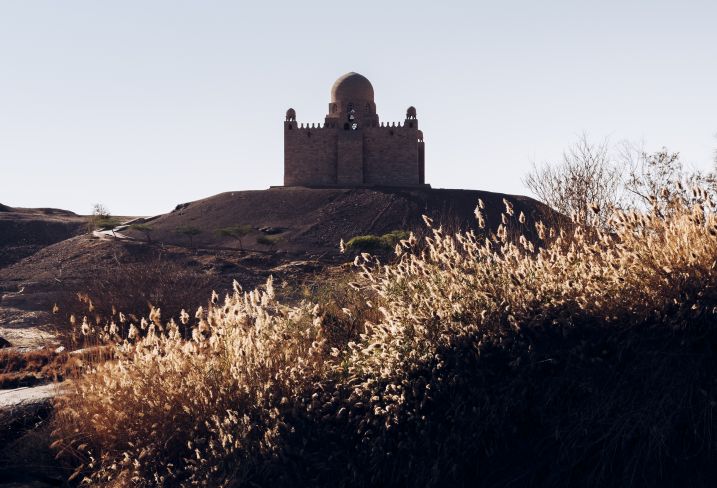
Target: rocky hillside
point(302, 221)
point(47, 254)
point(24, 231)
point(292, 234)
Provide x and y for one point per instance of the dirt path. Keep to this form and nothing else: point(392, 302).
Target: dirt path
point(111, 234)
point(24, 329)
point(12, 399)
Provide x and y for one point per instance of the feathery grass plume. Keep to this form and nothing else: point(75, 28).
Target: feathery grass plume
point(591, 355)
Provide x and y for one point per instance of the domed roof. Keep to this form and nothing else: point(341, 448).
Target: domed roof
point(352, 86)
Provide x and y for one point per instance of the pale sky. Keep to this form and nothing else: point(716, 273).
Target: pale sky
point(141, 105)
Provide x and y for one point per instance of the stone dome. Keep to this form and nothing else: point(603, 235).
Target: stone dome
point(352, 86)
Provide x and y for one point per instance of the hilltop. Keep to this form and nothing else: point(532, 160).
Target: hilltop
point(294, 233)
point(312, 221)
point(49, 255)
point(24, 231)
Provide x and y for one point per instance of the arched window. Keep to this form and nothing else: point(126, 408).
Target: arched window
point(346, 126)
point(349, 107)
point(368, 108)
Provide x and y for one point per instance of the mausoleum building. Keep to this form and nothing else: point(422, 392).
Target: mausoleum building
point(352, 147)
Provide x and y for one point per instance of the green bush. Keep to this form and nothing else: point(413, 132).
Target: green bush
point(268, 240)
point(237, 232)
point(108, 223)
point(374, 243)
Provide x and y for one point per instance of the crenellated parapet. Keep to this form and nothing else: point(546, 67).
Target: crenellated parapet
point(408, 124)
point(293, 124)
point(310, 126)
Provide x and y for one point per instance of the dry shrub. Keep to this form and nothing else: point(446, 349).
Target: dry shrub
point(482, 362)
point(588, 174)
point(136, 287)
point(133, 288)
point(588, 363)
point(344, 307)
point(20, 368)
point(171, 411)
point(26, 368)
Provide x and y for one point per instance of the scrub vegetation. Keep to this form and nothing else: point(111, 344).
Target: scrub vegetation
point(584, 357)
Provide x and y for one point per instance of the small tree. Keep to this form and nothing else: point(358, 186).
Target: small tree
point(586, 185)
point(237, 232)
point(189, 231)
point(102, 219)
point(99, 210)
point(591, 182)
point(659, 180)
point(145, 229)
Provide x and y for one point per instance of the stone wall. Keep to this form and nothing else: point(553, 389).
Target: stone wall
point(391, 156)
point(310, 156)
point(350, 167)
point(382, 155)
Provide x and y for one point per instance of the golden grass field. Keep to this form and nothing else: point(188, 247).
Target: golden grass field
point(580, 358)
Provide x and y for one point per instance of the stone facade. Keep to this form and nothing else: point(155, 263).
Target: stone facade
point(352, 148)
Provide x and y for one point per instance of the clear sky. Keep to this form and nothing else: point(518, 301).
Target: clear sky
point(141, 105)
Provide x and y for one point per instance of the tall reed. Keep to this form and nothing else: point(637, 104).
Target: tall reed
point(479, 360)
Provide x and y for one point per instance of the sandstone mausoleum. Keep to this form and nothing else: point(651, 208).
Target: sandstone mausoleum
point(352, 148)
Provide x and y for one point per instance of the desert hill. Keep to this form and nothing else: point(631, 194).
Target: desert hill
point(303, 221)
point(24, 231)
point(47, 256)
point(294, 233)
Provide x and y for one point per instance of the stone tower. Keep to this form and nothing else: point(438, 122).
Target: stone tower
point(352, 148)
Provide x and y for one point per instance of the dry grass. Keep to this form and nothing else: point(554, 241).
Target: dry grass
point(27, 368)
point(470, 361)
point(133, 288)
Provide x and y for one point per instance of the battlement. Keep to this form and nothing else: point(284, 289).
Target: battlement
point(293, 125)
point(306, 126)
